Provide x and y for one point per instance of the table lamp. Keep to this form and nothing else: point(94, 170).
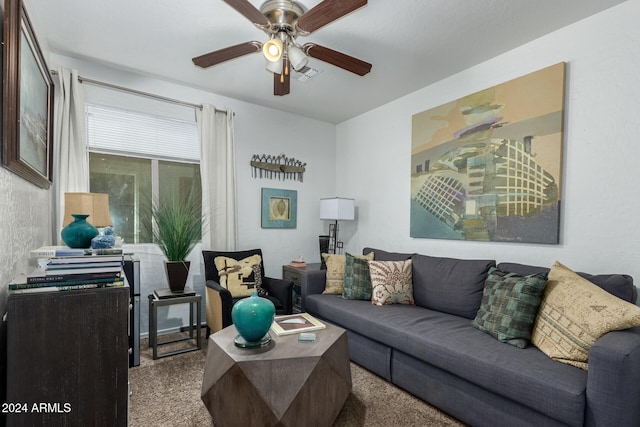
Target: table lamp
point(336, 209)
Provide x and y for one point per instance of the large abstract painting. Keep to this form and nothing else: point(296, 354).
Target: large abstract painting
point(487, 166)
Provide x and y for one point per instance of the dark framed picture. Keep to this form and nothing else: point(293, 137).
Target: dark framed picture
point(27, 125)
point(279, 208)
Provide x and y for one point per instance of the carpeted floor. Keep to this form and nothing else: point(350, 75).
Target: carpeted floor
point(166, 392)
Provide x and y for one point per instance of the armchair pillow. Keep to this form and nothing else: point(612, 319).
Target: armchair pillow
point(240, 277)
point(574, 314)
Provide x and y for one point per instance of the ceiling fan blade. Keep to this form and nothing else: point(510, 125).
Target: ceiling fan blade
point(282, 82)
point(338, 59)
point(231, 52)
point(326, 12)
point(249, 11)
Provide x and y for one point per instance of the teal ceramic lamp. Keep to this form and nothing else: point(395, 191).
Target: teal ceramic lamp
point(83, 213)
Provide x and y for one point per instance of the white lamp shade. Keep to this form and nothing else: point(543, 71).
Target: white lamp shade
point(297, 57)
point(274, 67)
point(337, 208)
point(272, 50)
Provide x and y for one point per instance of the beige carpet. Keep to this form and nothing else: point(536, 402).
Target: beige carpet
point(166, 392)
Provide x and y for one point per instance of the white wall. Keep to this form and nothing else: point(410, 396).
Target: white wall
point(258, 130)
point(600, 204)
point(24, 226)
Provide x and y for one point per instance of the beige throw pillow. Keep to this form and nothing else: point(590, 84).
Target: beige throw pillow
point(240, 277)
point(574, 314)
point(336, 266)
point(391, 282)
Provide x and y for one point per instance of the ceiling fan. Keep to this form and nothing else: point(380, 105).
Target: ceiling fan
point(284, 21)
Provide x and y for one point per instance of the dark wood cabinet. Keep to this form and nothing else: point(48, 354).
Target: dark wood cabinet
point(67, 358)
point(300, 276)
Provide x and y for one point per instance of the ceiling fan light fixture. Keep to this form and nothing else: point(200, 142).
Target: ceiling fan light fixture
point(274, 67)
point(297, 57)
point(272, 50)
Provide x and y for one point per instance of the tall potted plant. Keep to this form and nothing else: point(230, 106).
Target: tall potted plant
point(176, 226)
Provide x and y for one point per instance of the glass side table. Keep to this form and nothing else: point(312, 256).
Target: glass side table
point(165, 298)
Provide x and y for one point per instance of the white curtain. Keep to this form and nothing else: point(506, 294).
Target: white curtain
point(71, 161)
point(218, 173)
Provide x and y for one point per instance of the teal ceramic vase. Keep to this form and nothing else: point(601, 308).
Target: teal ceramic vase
point(252, 318)
point(78, 234)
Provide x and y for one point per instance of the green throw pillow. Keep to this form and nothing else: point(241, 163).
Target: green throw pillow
point(509, 306)
point(357, 280)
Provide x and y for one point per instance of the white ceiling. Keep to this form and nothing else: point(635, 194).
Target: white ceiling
point(411, 44)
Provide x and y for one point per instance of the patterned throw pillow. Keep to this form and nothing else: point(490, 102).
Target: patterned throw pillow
point(574, 314)
point(391, 282)
point(240, 277)
point(357, 283)
point(509, 306)
point(336, 266)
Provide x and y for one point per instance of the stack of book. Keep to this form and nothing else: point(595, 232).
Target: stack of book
point(70, 269)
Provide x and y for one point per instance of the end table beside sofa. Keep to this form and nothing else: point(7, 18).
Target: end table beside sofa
point(441, 358)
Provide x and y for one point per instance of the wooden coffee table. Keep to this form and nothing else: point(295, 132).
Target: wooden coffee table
point(287, 383)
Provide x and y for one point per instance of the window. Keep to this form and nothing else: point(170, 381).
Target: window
point(135, 157)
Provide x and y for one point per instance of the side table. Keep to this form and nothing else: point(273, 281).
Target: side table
point(164, 298)
point(300, 276)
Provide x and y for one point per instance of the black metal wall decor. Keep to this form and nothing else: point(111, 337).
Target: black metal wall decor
point(276, 167)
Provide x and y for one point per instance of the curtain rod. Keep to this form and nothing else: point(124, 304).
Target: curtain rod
point(138, 92)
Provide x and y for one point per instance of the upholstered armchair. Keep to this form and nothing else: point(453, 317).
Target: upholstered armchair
point(219, 299)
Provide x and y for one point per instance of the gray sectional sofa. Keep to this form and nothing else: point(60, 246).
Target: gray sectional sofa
point(431, 350)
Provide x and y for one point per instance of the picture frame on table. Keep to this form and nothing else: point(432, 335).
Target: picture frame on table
point(279, 208)
point(295, 323)
point(27, 98)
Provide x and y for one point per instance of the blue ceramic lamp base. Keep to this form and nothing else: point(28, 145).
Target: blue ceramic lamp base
point(242, 343)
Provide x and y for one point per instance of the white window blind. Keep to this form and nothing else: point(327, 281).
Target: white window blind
point(124, 132)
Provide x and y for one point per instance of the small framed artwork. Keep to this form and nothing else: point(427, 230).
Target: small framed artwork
point(279, 208)
point(27, 131)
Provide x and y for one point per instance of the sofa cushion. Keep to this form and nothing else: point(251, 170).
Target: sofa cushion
point(574, 313)
point(449, 285)
point(240, 277)
point(336, 265)
point(620, 285)
point(357, 282)
point(509, 306)
point(450, 343)
point(391, 282)
point(380, 255)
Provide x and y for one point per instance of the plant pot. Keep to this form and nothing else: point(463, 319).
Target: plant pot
point(177, 273)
